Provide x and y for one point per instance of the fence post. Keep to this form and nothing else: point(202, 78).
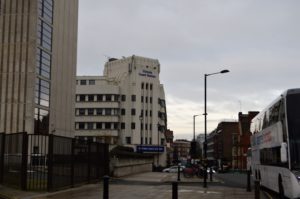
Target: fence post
point(2, 144)
point(174, 190)
point(105, 187)
point(257, 189)
point(24, 161)
point(210, 174)
point(178, 173)
point(72, 162)
point(248, 181)
point(50, 163)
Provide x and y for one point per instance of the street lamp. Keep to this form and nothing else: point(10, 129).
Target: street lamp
point(205, 125)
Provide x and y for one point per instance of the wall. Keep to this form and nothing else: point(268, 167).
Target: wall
point(122, 167)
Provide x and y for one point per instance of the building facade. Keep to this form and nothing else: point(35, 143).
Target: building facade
point(182, 147)
point(125, 106)
point(38, 52)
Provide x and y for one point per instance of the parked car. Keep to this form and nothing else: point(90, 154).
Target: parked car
point(173, 169)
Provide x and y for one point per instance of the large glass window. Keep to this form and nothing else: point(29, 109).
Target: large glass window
point(293, 118)
point(41, 121)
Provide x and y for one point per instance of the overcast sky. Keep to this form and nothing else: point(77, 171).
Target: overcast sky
point(257, 40)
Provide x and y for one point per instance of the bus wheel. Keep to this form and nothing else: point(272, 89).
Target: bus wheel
point(280, 187)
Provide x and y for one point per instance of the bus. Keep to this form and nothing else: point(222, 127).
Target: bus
point(275, 145)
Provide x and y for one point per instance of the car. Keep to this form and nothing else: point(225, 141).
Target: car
point(173, 169)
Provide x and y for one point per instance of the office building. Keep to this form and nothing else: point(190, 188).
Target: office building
point(125, 106)
point(38, 52)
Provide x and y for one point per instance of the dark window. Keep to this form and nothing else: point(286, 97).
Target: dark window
point(107, 125)
point(132, 125)
point(90, 111)
point(133, 111)
point(123, 98)
point(146, 140)
point(142, 126)
point(82, 82)
point(147, 86)
point(90, 98)
point(99, 98)
point(99, 111)
point(141, 140)
point(128, 140)
point(142, 98)
point(108, 98)
point(142, 86)
point(115, 125)
point(90, 125)
point(151, 86)
point(146, 99)
point(81, 98)
point(81, 111)
point(91, 82)
point(146, 113)
point(117, 97)
point(150, 113)
point(99, 125)
point(81, 125)
point(108, 111)
point(123, 111)
point(150, 126)
point(122, 125)
point(133, 98)
point(146, 126)
point(150, 100)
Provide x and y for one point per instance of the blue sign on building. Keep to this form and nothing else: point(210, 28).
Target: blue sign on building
point(149, 149)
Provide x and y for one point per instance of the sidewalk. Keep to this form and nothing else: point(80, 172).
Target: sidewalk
point(152, 185)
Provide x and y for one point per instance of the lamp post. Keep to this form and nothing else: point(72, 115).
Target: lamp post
point(205, 125)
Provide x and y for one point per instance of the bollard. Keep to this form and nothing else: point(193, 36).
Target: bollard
point(178, 173)
point(174, 190)
point(105, 187)
point(257, 189)
point(248, 181)
point(210, 174)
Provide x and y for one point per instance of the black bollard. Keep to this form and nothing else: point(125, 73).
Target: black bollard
point(257, 189)
point(174, 190)
point(210, 174)
point(178, 173)
point(105, 187)
point(248, 181)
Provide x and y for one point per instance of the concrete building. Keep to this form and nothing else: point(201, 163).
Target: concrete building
point(38, 52)
point(125, 106)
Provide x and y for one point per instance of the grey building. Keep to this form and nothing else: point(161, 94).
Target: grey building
point(38, 49)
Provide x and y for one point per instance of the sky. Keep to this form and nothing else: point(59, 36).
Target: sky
point(257, 40)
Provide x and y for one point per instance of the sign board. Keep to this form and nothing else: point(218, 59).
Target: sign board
point(149, 149)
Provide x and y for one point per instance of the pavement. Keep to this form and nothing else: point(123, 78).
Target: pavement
point(148, 185)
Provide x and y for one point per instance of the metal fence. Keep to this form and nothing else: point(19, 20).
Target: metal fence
point(50, 162)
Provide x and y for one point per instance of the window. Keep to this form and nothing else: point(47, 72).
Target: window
point(90, 111)
point(142, 85)
point(81, 111)
point(123, 98)
point(90, 98)
point(81, 98)
point(150, 126)
point(147, 86)
point(107, 125)
point(90, 125)
point(115, 125)
point(108, 111)
point(151, 86)
point(142, 98)
point(133, 98)
point(81, 125)
point(122, 125)
point(99, 98)
point(132, 125)
point(150, 113)
point(146, 126)
point(146, 99)
point(133, 111)
point(123, 111)
point(108, 98)
point(99, 111)
point(128, 140)
point(150, 100)
point(98, 125)
point(91, 82)
point(82, 82)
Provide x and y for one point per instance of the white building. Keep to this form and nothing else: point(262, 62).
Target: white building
point(125, 106)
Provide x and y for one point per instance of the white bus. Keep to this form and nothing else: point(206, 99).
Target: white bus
point(275, 145)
